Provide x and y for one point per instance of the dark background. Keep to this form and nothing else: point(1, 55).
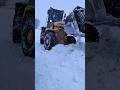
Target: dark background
point(17, 72)
point(103, 57)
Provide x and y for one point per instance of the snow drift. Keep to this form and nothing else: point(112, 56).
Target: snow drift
point(62, 68)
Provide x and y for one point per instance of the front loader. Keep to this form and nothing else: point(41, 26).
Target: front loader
point(56, 31)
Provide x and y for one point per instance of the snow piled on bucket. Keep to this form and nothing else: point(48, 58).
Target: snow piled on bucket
point(61, 68)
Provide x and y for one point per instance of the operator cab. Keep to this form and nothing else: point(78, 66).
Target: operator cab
point(54, 15)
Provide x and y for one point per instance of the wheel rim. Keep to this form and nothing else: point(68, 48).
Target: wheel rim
point(47, 42)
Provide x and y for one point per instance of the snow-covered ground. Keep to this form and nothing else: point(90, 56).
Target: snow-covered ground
point(62, 68)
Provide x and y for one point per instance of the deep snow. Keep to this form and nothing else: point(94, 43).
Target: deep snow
point(62, 68)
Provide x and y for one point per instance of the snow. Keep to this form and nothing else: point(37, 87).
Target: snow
point(61, 68)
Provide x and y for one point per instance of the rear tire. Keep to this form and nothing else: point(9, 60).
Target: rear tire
point(28, 38)
point(49, 40)
point(71, 40)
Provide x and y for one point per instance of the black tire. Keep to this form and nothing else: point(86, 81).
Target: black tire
point(41, 40)
point(71, 40)
point(49, 40)
point(28, 47)
point(17, 26)
point(42, 35)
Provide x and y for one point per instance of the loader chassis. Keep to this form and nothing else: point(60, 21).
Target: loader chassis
point(54, 35)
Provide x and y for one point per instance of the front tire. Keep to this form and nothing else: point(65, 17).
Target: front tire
point(42, 35)
point(49, 40)
point(28, 37)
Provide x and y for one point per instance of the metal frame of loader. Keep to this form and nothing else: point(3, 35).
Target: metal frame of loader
point(77, 19)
